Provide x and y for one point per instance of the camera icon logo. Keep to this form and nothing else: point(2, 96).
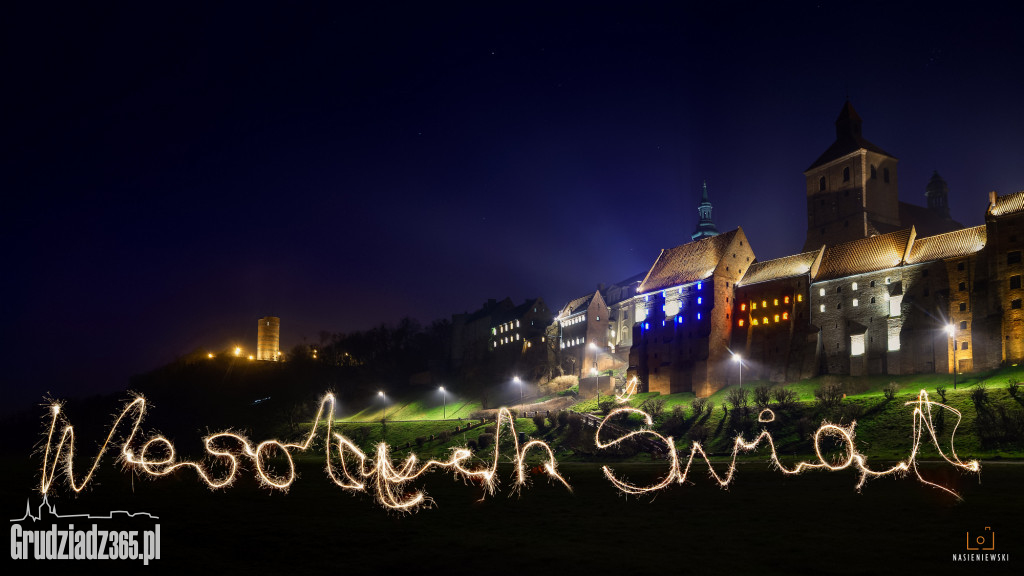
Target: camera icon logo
point(980, 542)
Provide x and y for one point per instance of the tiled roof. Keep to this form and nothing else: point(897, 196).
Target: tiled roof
point(779, 268)
point(948, 245)
point(1007, 204)
point(864, 255)
point(687, 263)
point(576, 305)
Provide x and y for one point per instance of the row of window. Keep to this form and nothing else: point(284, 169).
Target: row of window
point(764, 320)
point(846, 176)
point(507, 326)
point(775, 302)
point(573, 342)
point(575, 320)
point(507, 340)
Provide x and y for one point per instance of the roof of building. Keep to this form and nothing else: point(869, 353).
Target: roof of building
point(1007, 204)
point(785, 267)
point(687, 263)
point(489, 308)
point(848, 138)
point(517, 312)
point(948, 245)
point(864, 255)
point(927, 221)
point(576, 305)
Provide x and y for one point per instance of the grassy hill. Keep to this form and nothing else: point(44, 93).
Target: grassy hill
point(993, 428)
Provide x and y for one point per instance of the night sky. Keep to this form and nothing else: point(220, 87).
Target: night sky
point(172, 174)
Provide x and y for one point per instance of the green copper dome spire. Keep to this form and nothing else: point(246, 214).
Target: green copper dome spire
point(705, 227)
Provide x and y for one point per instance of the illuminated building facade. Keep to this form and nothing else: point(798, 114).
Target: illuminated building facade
point(268, 339)
point(518, 335)
point(683, 313)
point(771, 320)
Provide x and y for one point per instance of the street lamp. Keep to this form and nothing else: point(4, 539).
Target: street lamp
point(520, 382)
point(739, 360)
point(384, 416)
point(951, 330)
point(444, 403)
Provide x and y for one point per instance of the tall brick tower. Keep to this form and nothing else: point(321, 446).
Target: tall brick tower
point(852, 188)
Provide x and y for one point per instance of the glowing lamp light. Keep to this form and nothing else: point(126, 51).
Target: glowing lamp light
point(209, 355)
point(238, 351)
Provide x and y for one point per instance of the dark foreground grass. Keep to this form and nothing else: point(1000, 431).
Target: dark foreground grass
point(766, 523)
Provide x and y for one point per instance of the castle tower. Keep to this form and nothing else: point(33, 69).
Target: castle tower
point(937, 193)
point(852, 189)
point(268, 339)
point(705, 227)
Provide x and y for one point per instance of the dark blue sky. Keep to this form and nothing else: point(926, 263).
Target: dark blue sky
point(173, 173)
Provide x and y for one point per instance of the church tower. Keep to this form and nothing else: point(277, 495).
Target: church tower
point(937, 193)
point(852, 188)
point(705, 227)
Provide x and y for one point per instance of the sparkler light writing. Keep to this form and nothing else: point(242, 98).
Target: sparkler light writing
point(922, 420)
point(352, 469)
point(352, 472)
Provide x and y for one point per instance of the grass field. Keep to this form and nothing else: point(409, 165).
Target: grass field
point(766, 523)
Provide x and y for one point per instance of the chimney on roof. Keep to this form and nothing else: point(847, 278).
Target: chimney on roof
point(992, 198)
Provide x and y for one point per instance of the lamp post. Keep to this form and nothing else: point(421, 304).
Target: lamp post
point(444, 403)
point(520, 382)
point(384, 416)
point(951, 329)
point(739, 360)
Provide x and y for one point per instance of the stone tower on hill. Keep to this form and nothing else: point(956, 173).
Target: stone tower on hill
point(852, 188)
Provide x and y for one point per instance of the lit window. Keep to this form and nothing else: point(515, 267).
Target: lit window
point(700, 286)
point(785, 300)
point(753, 305)
point(764, 303)
point(700, 300)
point(888, 280)
point(698, 315)
point(775, 302)
point(822, 309)
point(493, 331)
point(764, 320)
point(854, 286)
point(776, 317)
point(743, 307)
point(517, 337)
point(753, 322)
point(856, 302)
point(596, 319)
point(741, 321)
point(517, 323)
point(799, 297)
point(894, 341)
point(856, 345)
point(821, 292)
point(785, 315)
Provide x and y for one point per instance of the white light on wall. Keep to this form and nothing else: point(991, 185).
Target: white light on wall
point(856, 345)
